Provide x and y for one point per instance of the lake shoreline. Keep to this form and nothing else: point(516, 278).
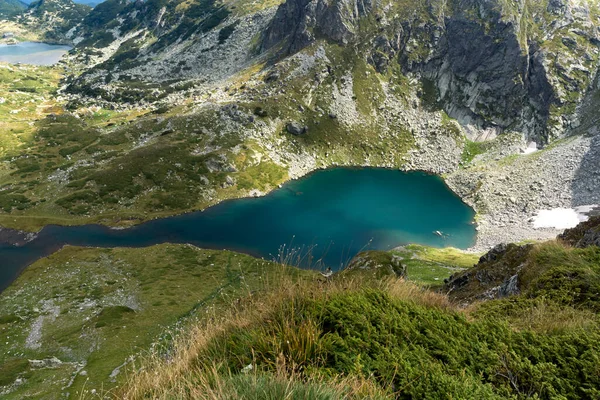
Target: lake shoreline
point(488, 234)
point(16, 237)
point(132, 221)
point(324, 219)
point(33, 53)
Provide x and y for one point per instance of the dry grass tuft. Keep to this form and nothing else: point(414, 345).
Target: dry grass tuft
point(184, 375)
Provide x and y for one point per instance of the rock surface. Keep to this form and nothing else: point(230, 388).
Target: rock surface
point(389, 84)
point(583, 235)
point(378, 263)
point(501, 271)
point(495, 276)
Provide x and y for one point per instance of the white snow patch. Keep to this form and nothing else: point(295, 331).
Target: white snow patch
point(562, 218)
point(531, 148)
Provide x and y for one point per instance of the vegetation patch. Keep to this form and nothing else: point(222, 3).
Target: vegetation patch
point(110, 304)
point(112, 315)
point(431, 266)
point(410, 343)
point(11, 369)
point(472, 150)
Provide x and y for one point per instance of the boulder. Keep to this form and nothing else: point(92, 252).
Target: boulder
point(229, 181)
point(296, 21)
point(272, 76)
point(378, 263)
point(296, 128)
point(583, 235)
point(260, 112)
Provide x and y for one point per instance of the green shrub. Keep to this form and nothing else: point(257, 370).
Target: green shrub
point(10, 201)
point(8, 319)
point(421, 352)
point(11, 369)
point(565, 275)
point(269, 387)
point(226, 32)
point(111, 315)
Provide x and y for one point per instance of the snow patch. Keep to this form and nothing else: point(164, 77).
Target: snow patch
point(562, 218)
point(531, 148)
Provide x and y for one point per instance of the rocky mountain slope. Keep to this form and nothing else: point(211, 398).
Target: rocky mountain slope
point(52, 20)
point(459, 88)
point(528, 66)
point(8, 8)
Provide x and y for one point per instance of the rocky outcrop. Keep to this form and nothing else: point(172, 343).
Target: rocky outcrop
point(583, 235)
point(509, 269)
point(495, 276)
point(492, 65)
point(295, 128)
point(484, 79)
point(298, 23)
point(378, 263)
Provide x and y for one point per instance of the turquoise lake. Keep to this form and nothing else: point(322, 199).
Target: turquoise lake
point(32, 53)
point(326, 217)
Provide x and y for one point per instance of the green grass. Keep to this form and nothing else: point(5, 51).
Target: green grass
point(112, 304)
point(28, 95)
point(401, 340)
point(11, 369)
point(266, 386)
point(430, 266)
point(472, 150)
point(567, 276)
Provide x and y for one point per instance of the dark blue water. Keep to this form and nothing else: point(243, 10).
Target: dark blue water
point(331, 214)
point(32, 53)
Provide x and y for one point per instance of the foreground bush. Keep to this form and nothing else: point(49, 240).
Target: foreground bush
point(404, 342)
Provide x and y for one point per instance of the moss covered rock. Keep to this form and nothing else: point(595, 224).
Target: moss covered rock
point(378, 264)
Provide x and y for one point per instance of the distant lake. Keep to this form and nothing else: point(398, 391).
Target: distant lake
point(32, 53)
point(332, 214)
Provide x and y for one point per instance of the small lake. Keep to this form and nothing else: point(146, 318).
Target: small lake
point(32, 53)
point(332, 214)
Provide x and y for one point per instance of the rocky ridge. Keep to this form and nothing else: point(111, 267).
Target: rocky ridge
point(52, 21)
point(528, 67)
point(510, 269)
point(359, 83)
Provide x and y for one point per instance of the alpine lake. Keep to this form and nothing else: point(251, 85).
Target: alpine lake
point(319, 221)
point(35, 53)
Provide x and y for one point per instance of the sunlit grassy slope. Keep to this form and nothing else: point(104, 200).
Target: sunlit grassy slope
point(92, 309)
point(388, 338)
point(175, 321)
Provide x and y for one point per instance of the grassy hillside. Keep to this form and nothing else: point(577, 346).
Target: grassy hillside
point(361, 338)
point(82, 313)
point(9, 8)
point(175, 321)
point(27, 93)
point(121, 167)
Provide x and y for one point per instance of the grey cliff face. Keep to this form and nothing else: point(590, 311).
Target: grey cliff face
point(489, 68)
point(298, 23)
point(481, 76)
